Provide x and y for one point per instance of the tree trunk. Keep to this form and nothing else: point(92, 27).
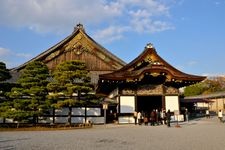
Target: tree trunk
point(78, 95)
point(34, 119)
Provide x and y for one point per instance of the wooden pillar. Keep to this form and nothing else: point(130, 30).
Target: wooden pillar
point(119, 93)
point(223, 104)
point(85, 113)
point(135, 102)
point(179, 104)
point(53, 115)
point(163, 102)
point(216, 104)
point(135, 97)
point(163, 97)
point(119, 104)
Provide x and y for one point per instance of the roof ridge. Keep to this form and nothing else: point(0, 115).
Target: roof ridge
point(79, 28)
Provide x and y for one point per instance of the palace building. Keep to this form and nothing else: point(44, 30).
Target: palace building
point(146, 83)
point(78, 46)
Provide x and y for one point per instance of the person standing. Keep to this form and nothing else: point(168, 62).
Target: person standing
point(153, 117)
point(146, 119)
point(168, 115)
point(220, 115)
point(186, 115)
point(135, 117)
point(157, 116)
point(139, 116)
point(207, 113)
point(163, 116)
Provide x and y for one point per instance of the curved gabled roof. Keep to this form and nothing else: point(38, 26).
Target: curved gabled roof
point(78, 29)
point(150, 63)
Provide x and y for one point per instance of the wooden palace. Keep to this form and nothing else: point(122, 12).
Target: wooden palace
point(148, 82)
point(78, 46)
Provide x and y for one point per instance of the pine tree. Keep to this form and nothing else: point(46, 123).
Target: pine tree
point(70, 78)
point(29, 99)
point(4, 73)
point(4, 87)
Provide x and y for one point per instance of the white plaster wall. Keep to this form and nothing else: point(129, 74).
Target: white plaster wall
point(127, 104)
point(78, 120)
point(93, 112)
point(62, 111)
point(126, 119)
point(61, 119)
point(45, 120)
point(96, 120)
point(172, 103)
point(80, 111)
point(7, 120)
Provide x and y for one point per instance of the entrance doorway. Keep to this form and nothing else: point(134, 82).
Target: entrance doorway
point(146, 104)
point(111, 114)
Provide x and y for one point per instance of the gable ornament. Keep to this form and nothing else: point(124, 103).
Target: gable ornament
point(78, 49)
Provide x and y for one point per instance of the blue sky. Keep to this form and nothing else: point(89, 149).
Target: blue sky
point(188, 34)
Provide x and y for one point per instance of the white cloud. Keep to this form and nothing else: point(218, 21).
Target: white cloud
point(55, 15)
point(154, 8)
point(192, 63)
point(23, 55)
point(11, 58)
point(150, 26)
point(140, 13)
point(4, 52)
point(112, 33)
point(138, 16)
point(217, 3)
point(60, 16)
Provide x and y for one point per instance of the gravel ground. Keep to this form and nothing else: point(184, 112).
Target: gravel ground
point(201, 134)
